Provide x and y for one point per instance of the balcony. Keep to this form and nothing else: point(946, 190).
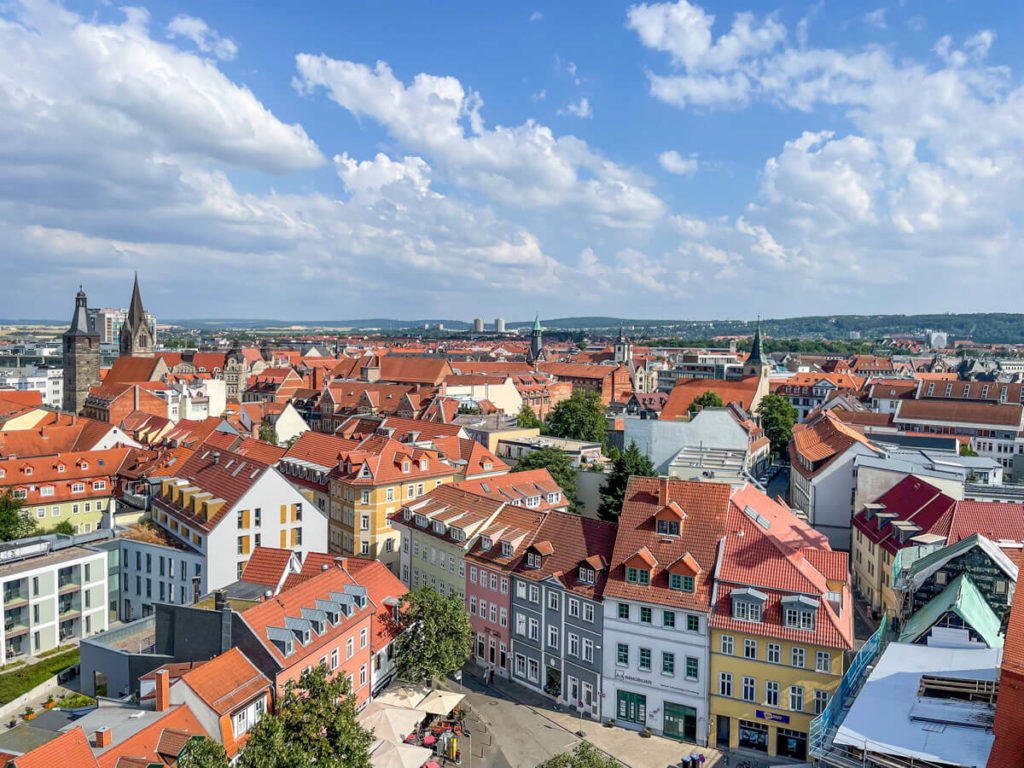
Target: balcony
point(66, 585)
point(69, 609)
point(14, 627)
point(14, 599)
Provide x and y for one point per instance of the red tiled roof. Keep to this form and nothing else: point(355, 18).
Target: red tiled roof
point(414, 370)
point(382, 587)
point(267, 566)
point(290, 602)
point(995, 520)
point(910, 499)
point(227, 681)
point(574, 540)
point(822, 439)
point(68, 749)
point(706, 506)
point(578, 370)
point(517, 486)
point(130, 370)
point(22, 396)
point(246, 446)
point(950, 411)
point(687, 390)
point(318, 448)
point(1008, 747)
point(145, 743)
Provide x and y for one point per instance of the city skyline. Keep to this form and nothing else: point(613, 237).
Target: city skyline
point(719, 160)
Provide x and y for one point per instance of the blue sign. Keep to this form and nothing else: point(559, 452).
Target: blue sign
point(772, 716)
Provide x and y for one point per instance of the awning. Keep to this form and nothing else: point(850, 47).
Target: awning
point(408, 696)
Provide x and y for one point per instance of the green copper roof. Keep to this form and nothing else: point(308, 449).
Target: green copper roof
point(964, 599)
point(757, 347)
point(536, 323)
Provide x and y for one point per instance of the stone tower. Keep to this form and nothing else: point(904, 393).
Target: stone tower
point(536, 342)
point(81, 353)
point(136, 335)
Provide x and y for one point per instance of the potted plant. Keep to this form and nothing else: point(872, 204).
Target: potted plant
point(50, 703)
point(29, 713)
point(646, 733)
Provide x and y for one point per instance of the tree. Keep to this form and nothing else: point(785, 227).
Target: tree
point(581, 417)
point(586, 755)
point(65, 527)
point(706, 399)
point(13, 525)
point(267, 433)
point(437, 638)
point(527, 419)
point(557, 462)
point(966, 450)
point(631, 462)
point(315, 725)
point(203, 753)
point(777, 420)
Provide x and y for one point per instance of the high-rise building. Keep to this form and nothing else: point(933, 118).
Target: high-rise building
point(478, 325)
point(81, 353)
point(499, 325)
point(107, 323)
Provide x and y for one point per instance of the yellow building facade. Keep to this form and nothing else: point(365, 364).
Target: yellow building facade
point(765, 691)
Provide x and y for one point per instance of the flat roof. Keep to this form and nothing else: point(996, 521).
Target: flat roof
point(890, 718)
point(54, 557)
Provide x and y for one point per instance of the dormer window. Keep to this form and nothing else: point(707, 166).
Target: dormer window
point(458, 534)
point(748, 604)
point(554, 498)
point(586, 575)
point(506, 549)
point(405, 466)
point(485, 544)
point(532, 560)
point(533, 501)
point(488, 466)
point(423, 464)
point(421, 521)
point(439, 527)
point(27, 470)
point(60, 467)
point(84, 464)
point(680, 583)
point(365, 471)
point(638, 576)
point(668, 527)
point(797, 619)
point(407, 514)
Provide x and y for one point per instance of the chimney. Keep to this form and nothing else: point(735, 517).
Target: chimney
point(102, 737)
point(220, 600)
point(663, 492)
point(163, 691)
point(216, 457)
point(324, 567)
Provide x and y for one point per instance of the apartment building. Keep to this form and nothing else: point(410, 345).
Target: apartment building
point(557, 610)
point(781, 623)
point(222, 505)
point(74, 487)
point(371, 482)
point(54, 590)
point(657, 606)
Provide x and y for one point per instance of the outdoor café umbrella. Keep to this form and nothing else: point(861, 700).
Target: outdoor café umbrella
point(390, 755)
point(408, 696)
point(390, 723)
point(440, 702)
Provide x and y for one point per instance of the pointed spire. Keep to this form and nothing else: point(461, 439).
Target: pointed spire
point(536, 322)
point(136, 314)
point(757, 347)
point(80, 319)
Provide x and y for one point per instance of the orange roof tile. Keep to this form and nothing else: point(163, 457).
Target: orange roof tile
point(145, 743)
point(687, 390)
point(226, 682)
point(68, 749)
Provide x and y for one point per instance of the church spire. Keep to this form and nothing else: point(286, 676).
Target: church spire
point(757, 348)
point(136, 335)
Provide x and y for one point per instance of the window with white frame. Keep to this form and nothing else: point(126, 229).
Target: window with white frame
point(573, 644)
point(823, 661)
point(725, 684)
point(588, 650)
point(726, 645)
point(552, 636)
point(588, 612)
point(820, 701)
point(749, 691)
point(749, 649)
point(774, 653)
point(534, 630)
point(771, 693)
point(797, 657)
point(552, 600)
point(796, 698)
point(573, 607)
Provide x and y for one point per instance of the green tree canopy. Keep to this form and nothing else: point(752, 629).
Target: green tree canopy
point(13, 525)
point(203, 753)
point(268, 434)
point(630, 462)
point(558, 463)
point(527, 419)
point(581, 417)
point(315, 725)
point(966, 450)
point(437, 638)
point(777, 420)
point(706, 399)
point(585, 755)
point(65, 527)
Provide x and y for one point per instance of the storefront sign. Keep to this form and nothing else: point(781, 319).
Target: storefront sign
point(772, 716)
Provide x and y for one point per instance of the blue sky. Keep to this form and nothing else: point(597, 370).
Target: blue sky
point(341, 159)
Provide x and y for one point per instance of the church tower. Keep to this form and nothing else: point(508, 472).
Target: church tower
point(136, 335)
point(536, 342)
point(757, 362)
point(623, 349)
point(81, 356)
